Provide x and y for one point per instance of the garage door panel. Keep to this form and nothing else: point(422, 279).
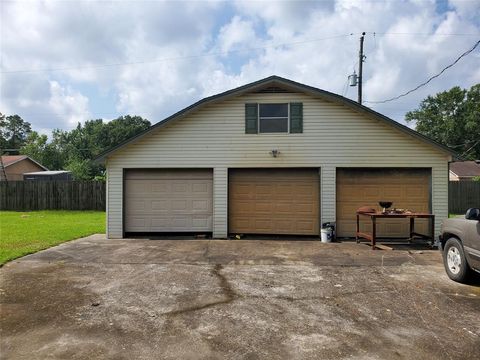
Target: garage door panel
point(200, 188)
point(162, 188)
point(181, 188)
point(370, 192)
point(138, 223)
point(138, 205)
point(347, 193)
point(393, 192)
point(406, 188)
point(263, 206)
point(200, 205)
point(168, 200)
point(201, 221)
point(274, 201)
point(159, 206)
point(306, 227)
point(417, 191)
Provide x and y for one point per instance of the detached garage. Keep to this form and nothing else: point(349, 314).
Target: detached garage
point(272, 157)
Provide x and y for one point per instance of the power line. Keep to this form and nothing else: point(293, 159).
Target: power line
point(421, 34)
point(430, 79)
point(98, 66)
point(471, 148)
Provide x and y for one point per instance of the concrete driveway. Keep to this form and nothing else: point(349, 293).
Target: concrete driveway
point(143, 299)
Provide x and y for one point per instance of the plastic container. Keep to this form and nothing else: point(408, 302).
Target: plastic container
point(326, 234)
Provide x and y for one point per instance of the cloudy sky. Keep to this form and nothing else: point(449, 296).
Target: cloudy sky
point(69, 61)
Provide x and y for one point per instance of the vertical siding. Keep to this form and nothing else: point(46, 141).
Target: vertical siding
point(114, 202)
point(220, 199)
point(334, 136)
point(440, 193)
point(328, 194)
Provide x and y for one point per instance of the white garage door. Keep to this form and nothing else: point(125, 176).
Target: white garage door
point(168, 200)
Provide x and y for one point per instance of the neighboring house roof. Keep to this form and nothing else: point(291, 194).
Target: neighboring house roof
point(465, 168)
point(8, 160)
point(47, 173)
point(274, 81)
point(12, 159)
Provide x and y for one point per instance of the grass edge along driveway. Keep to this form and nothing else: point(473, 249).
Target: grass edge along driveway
point(23, 233)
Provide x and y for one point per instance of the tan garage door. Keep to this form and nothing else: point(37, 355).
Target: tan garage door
point(274, 201)
point(168, 200)
point(406, 188)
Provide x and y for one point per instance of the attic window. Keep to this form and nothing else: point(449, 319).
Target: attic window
point(277, 118)
point(273, 118)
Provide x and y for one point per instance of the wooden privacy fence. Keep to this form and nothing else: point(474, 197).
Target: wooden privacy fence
point(52, 195)
point(463, 195)
point(90, 195)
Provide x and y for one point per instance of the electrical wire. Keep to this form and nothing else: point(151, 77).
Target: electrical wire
point(421, 34)
point(471, 148)
point(99, 66)
point(430, 79)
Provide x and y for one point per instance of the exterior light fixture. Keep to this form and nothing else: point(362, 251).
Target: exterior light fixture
point(274, 153)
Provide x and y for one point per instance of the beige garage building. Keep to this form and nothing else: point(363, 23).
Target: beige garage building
point(272, 157)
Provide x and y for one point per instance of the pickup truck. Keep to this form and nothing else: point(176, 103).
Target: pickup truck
point(459, 243)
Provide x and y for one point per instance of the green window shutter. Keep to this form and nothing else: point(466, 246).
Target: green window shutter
point(296, 118)
point(251, 118)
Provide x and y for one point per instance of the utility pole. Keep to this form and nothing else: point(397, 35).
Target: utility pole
point(361, 59)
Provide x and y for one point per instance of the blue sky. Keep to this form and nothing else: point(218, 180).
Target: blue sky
point(152, 58)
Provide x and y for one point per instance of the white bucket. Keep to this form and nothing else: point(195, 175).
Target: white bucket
point(326, 235)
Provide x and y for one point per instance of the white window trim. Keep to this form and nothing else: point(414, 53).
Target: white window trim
point(276, 117)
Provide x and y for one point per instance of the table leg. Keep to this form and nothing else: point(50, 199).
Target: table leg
point(358, 229)
point(374, 233)
point(412, 229)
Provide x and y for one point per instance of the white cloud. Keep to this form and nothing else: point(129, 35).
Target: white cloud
point(466, 8)
point(237, 33)
point(82, 37)
point(67, 104)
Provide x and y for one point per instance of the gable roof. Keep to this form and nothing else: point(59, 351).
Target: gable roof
point(465, 168)
point(8, 160)
point(272, 82)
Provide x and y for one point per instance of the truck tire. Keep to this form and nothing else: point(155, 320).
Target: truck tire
point(454, 261)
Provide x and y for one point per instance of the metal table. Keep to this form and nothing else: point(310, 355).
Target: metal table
point(372, 237)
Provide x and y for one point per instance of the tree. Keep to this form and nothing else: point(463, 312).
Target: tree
point(75, 150)
point(452, 118)
point(3, 139)
point(38, 148)
point(81, 169)
point(14, 131)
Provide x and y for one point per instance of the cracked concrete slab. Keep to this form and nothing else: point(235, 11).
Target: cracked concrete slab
point(210, 299)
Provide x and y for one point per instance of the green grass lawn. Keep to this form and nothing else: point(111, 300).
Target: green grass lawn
point(455, 215)
point(23, 233)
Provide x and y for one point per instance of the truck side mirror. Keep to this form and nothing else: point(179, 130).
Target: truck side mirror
point(472, 214)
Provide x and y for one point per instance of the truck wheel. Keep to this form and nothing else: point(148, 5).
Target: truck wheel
point(454, 260)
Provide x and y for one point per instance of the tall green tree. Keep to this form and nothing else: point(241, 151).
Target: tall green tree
point(14, 131)
point(75, 150)
point(38, 148)
point(452, 118)
point(3, 139)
